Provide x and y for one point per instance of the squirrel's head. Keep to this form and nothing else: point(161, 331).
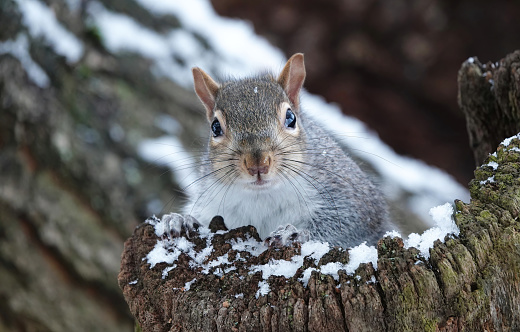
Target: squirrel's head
point(254, 123)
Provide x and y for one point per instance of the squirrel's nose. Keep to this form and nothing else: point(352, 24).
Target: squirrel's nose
point(257, 164)
point(254, 170)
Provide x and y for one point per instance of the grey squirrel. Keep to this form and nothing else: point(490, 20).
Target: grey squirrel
point(268, 164)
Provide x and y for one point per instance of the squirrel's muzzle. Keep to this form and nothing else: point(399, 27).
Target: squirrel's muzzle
point(257, 163)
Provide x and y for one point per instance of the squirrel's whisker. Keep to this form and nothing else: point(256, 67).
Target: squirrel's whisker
point(207, 175)
point(305, 204)
point(329, 199)
point(228, 187)
point(212, 187)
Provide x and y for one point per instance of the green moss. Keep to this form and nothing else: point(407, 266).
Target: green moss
point(480, 244)
point(408, 302)
point(486, 214)
point(505, 178)
point(459, 206)
point(491, 158)
point(383, 246)
point(462, 305)
point(482, 173)
point(448, 275)
point(429, 324)
point(486, 217)
point(290, 312)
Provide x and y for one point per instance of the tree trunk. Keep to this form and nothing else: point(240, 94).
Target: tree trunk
point(488, 96)
point(470, 282)
point(72, 185)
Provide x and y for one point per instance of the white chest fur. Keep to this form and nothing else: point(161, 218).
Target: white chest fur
point(266, 209)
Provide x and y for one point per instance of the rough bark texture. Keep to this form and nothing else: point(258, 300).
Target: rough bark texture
point(72, 184)
point(488, 96)
point(470, 282)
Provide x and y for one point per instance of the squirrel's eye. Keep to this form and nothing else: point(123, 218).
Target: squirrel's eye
point(216, 128)
point(290, 119)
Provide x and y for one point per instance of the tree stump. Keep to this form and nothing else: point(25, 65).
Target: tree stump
point(470, 282)
point(488, 95)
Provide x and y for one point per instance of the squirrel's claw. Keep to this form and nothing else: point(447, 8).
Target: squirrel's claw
point(174, 225)
point(286, 236)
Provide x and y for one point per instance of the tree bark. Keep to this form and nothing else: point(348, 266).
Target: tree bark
point(71, 191)
point(488, 96)
point(470, 282)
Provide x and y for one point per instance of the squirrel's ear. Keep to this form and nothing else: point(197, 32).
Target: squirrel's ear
point(206, 88)
point(292, 76)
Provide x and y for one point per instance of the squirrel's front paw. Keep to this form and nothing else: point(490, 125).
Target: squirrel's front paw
point(173, 225)
point(286, 235)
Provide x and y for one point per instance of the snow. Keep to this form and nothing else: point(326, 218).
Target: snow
point(41, 22)
point(168, 151)
point(490, 179)
point(507, 141)
point(187, 285)
point(160, 254)
point(306, 276)
point(245, 52)
point(263, 289)
point(311, 249)
point(444, 225)
point(128, 35)
point(122, 33)
point(19, 48)
point(167, 270)
point(249, 245)
point(168, 251)
point(357, 255)
point(492, 164)
point(361, 254)
point(393, 234)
